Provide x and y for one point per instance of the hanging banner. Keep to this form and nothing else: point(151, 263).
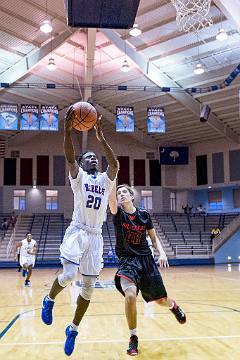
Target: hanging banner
point(8, 117)
point(124, 119)
point(29, 117)
point(156, 121)
point(173, 155)
point(49, 117)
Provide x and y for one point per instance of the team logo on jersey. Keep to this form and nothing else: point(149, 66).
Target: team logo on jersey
point(131, 217)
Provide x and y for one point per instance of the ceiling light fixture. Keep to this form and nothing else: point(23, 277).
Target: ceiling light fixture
point(51, 64)
point(221, 35)
point(135, 31)
point(199, 69)
point(46, 25)
point(125, 66)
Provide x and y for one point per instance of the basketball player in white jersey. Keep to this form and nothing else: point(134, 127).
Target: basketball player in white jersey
point(83, 243)
point(28, 249)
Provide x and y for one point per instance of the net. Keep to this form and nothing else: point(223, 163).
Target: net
point(192, 15)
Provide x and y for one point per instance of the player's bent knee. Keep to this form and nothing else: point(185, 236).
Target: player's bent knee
point(88, 286)
point(66, 278)
point(130, 297)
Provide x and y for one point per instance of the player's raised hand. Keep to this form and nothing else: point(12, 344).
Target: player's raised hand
point(163, 261)
point(98, 129)
point(69, 119)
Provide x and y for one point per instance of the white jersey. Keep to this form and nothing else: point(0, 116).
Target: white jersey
point(26, 246)
point(91, 193)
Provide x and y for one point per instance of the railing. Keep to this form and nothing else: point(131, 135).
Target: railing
point(173, 222)
point(109, 237)
point(45, 240)
point(31, 226)
point(40, 238)
point(183, 237)
point(225, 234)
point(189, 223)
point(62, 217)
point(12, 237)
point(204, 250)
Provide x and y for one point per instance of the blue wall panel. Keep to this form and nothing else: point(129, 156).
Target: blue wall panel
point(230, 248)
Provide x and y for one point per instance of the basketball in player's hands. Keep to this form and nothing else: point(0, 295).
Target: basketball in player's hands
point(85, 116)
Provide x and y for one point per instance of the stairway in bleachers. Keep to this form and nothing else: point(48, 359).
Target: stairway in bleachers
point(49, 230)
point(22, 227)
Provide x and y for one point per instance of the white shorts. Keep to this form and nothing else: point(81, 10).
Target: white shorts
point(84, 249)
point(29, 260)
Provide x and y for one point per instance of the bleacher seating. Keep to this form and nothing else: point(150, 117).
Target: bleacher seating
point(190, 235)
point(180, 234)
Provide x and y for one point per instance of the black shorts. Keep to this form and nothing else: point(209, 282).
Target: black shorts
point(143, 271)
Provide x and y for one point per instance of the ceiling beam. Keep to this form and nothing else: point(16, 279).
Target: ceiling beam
point(88, 74)
point(152, 72)
point(230, 9)
point(22, 67)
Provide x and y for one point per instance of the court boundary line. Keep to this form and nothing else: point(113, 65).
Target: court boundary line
point(183, 338)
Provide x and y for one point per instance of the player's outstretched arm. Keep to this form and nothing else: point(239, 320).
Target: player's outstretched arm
point(162, 259)
point(110, 156)
point(68, 144)
point(113, 200)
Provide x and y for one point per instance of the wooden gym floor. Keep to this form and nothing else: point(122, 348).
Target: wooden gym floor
point(209, 295)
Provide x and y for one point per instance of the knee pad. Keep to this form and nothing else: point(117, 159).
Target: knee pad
point(88, 286)
point(68, 274)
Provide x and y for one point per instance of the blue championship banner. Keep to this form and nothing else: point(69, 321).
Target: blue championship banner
point(124, 119)
point(49, 117)
point(156, 122)
point(29, 117)
point(173, 155)
point(8, 117)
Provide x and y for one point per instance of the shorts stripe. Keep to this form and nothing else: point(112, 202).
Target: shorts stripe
point(72, 262)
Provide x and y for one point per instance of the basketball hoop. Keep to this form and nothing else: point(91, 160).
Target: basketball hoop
point(192, 15)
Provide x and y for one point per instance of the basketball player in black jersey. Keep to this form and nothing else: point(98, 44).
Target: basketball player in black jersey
point(137, 268)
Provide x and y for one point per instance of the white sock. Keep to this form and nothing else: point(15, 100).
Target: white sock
point(74, 327)
point(48, 297)
point(133, 332)
point(174, 305)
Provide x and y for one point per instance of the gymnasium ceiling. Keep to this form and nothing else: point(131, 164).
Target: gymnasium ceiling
point(160, 56)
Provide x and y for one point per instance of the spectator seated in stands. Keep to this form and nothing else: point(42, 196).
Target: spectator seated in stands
point(215, 232)
point(200, 210)
point(4, 225)
point(187, 209)
point(13, 219)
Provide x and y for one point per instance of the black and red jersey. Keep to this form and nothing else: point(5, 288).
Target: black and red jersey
point(130, 231)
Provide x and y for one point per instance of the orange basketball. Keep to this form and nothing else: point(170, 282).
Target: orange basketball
point(85, 116)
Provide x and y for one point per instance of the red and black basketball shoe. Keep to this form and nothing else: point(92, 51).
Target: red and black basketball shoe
point(133, 346)
point(179, 314)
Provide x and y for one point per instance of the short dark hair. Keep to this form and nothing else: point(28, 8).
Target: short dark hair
point(81, 156)
point(127, 187)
